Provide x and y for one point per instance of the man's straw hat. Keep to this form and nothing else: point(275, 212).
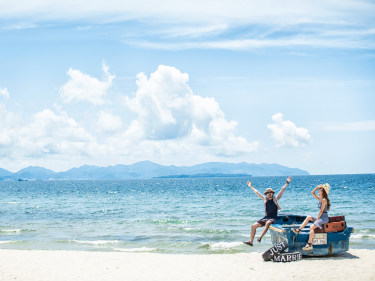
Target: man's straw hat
point(268, 190)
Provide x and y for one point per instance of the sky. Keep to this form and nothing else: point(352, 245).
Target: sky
point(187, 82)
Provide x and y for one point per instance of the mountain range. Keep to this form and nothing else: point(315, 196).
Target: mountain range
point(148, 170)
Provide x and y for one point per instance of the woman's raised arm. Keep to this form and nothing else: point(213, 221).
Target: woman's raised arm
point(314, 190)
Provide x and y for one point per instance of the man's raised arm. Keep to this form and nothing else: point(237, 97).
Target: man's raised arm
point(260, 195)
point(281, 192)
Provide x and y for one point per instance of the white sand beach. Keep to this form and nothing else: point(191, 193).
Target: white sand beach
point(79, 265)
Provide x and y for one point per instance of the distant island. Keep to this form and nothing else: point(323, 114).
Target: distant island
point(206, 175)
point(149, 170)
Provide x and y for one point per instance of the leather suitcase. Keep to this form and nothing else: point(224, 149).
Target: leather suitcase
point(334, 226)
point(337, 218)
point(331, 227)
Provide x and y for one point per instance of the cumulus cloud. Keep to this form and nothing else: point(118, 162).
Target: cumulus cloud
point(168, 110)
point(107, 122)
point(46, 124)
point(84, 87)
point(286, 133)
point(46, 134)
point(172, 125)
point(4, 92)
point(51, 134)
point(8, 133)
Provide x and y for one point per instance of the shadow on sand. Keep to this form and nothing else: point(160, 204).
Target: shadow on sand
point(341, 256)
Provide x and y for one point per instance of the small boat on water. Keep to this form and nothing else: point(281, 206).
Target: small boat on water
point(323, 244)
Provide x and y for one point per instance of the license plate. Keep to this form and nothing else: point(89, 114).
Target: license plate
point(320, 239)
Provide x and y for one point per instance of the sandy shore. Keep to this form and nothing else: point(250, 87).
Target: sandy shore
point(71, 265)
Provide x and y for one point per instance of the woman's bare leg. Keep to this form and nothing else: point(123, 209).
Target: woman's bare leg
point(253, 231)
point(312, 233)
point(305, 222)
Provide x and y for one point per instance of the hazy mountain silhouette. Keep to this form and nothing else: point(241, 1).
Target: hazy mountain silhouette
point(4, 173)
point(148, 169)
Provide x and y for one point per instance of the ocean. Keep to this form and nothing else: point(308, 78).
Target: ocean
point(177, 216)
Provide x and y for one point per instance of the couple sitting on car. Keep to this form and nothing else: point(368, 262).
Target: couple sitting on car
point(271, 206)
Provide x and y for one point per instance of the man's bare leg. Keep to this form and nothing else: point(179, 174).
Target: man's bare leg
point(264, 230)
point(253, 231)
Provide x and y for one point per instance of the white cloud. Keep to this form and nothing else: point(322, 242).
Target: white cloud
point(46, 135)
point(286, 133)
point(8, 130)
point(194, 31)
point(258, 43)
point(107, 122)
point(169, 111)
point(368, 125)
point(19, 25)
point(46, 124)
point(172, 125)
point(299, 54)
point(49, 133)
point(84, 87)
point(4, 92)
point(238, 11)
point(268, 23)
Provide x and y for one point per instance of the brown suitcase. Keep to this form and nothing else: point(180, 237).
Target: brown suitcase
point(331, 227)
point(334, 226)
point(337, 218)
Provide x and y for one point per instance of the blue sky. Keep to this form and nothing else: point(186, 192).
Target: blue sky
point(182, 83)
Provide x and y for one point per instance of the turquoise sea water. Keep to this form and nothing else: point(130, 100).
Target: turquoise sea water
point(184, 216)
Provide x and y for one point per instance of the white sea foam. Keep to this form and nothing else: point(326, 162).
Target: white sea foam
point(225, 245)
point(267, 235)
point(180, 244)
point(143, 249)
point(97, 242)
point(174, 221)
point(207, 230)
point(11, 230)
point(9, 241)
point(12, 202)
point(361, 236)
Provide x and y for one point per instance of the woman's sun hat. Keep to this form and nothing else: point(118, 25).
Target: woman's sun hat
point(326, 187)
point(269, 190)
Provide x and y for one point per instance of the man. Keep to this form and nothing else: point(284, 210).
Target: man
point(271, 206)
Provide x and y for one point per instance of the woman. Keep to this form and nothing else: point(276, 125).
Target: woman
point(324, 206)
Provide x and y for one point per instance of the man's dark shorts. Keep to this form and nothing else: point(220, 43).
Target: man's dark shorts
point(263, 221)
